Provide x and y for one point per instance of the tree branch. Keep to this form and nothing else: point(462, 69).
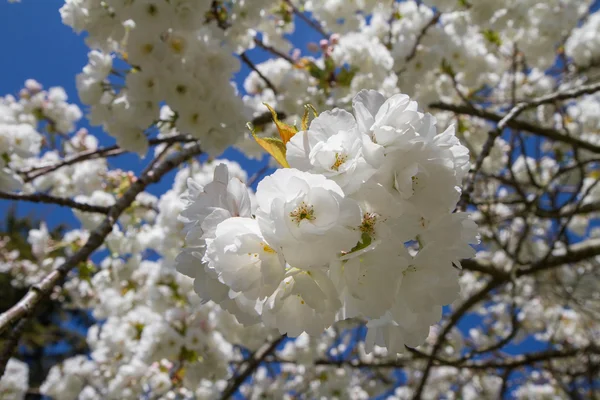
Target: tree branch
point(454, 318)
point(510, 120)
point(250, 64)
point(10, 344)
point(576, 253)
point(509, 363)
point(529, 359)
point(59, 201)
point(315, 25)
point(110, 151)
point(252, 364)
point(273, 50)
point(29, 303)
point(421, 35)
point(113, 151)
point(517, 124)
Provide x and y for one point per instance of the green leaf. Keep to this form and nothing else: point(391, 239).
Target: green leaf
point(365, 241)
point(461, 126)
point(316, 72)
point(446, 68)
point(329, 65)
point(492, 36)
point(307, 108)
point(86, 271)
point(345, 76)
point(189, 355)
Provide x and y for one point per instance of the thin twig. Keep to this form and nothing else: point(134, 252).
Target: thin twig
point(258, 175)
point(110, 151)
point(514, 123)
point(507, 363)
point(576, 253)
point(274, 51)
point(421, 35)
point(255, 360)
point(250, 64)
point(510, 120)
point(314, 24)
point(454, 318)
point(10, 345)
point(59, 201)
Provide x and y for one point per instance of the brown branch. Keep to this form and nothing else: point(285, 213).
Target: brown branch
point(250, 64)
point(251, 365)
point(512, 122)
point(37, 293)
point(10, 344)
point(59, 201)
point(274, 51)
point(559, 96)
point(507, 363)
point(421, 35)
point(568, 211)
point(314, 24)
point(485, 152)
point(576, 253)
point(454, 318)
point(509, 120)
point(110, 151)
point(258, 175)
point(555, 213)
point(530, 359)
point(113, 151)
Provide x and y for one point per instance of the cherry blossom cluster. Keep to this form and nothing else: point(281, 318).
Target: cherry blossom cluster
point(170, 55)
point(360, 226)
point(22, 121)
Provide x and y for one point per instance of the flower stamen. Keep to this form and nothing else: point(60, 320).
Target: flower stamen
point(339, 160)
point(368, 223)
point(303, 211)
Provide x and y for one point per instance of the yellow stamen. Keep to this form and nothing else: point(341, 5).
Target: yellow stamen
point(267, 248)
point(303, 211)
point(339, 160)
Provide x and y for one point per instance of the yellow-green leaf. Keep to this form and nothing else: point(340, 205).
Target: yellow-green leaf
point(492, 37)
point(304, 125)
point(313, 109)
point(285, 131)
point(307, 108)
point(275, 147)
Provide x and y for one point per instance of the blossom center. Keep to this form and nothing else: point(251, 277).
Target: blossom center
point(147, 48)
point(152, 10)
point(339, 160)
point(303, 211)
point(267, 249)
point(177, 44)
point(417, 182)
point(368, 223)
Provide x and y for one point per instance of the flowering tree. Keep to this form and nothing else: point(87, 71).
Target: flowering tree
point(424, 227)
